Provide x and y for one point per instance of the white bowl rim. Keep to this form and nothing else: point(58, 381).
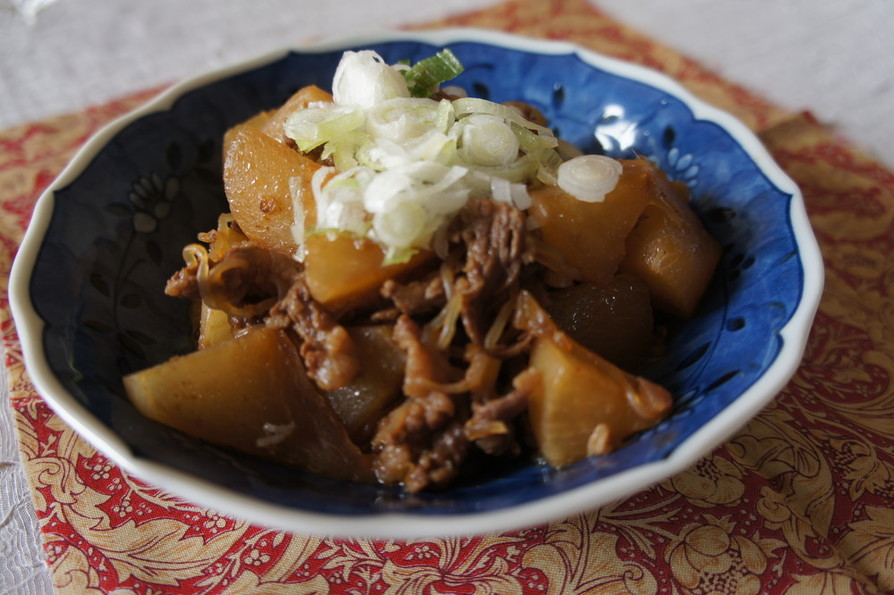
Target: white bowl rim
point(409, 525)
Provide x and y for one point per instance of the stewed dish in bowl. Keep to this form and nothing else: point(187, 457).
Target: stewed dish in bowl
point(416, 284)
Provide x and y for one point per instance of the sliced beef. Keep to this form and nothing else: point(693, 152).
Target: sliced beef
point(255, 285)
point(423, 441)
point(441, 462)
point(420, 443)
point(184, 283)
point(329, 353)
point(493, 234)
point(490, 426)
point(415, 298)
point(409, 451)
point(245, 282)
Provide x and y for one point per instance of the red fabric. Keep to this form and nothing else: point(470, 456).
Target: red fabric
point(799, 501)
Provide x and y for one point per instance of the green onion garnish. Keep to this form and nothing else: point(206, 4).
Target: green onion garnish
point(424, 78)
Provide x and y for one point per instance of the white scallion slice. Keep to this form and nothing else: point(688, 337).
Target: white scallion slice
point(523, 169)
point(487, 140)
point(548, 167)
point(299, 213)
point(339, 200)
point(436, 186)
point(474, 105)
point(314, 126)
point(400, 226)
point(403, 118)
point(503, 190)
point(364, 79)
point(589, 177)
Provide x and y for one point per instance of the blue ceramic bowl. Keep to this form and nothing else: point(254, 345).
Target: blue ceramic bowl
point(87, 286)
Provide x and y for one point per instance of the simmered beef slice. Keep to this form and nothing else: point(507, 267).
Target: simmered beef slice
point(493, 234)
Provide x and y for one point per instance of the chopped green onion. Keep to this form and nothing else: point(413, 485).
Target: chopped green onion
point(548, 167)
point(404, 164)
point(363, 79)
point(314, 126)
point(589, 177)
point(403, 118)
point(401, 225)
point(475, 105)
point(488, 141)
point(425, 76)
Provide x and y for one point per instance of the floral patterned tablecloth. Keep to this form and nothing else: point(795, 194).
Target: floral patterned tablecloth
point(801, 500)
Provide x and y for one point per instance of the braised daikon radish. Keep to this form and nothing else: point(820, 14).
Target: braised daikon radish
point(261, 176)
point(363, 402)
point(251, 394)
point(342, 271)
point(614, 320)
point(589, 236)
point(583, 405)
point(670, 249)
